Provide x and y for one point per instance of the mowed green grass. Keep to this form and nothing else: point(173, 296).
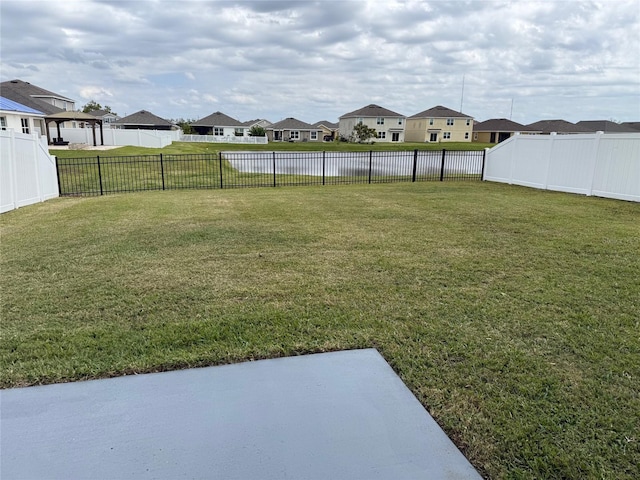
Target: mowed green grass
point(511, 313)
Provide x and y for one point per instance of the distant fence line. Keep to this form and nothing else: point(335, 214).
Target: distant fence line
point(224, 139)
point(102, 175)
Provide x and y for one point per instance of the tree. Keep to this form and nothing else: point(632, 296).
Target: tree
point(185, 125)
point(92, 106)
point(362, 133)
point(257, 131)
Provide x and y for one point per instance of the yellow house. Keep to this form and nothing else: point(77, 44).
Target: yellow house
point(497, 130)
point(439, 124)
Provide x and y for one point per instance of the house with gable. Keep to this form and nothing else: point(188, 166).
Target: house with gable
point(293, 130)
point(36, 97)
point(107, 117)
point(143, 120)
point(389, 125)
point(328, 130)
point(220, 125)
point(439, 124)
point(20, 118)
point(498, 130)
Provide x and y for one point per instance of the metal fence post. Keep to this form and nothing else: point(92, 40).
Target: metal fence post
point(162, 171)
point(484, 156)
point(415, 165)
point(58, 176)
point(220, 161)
point(274, 169)
point(323, 164)
point(99, 174)
point(442, 165)
point(370, 163)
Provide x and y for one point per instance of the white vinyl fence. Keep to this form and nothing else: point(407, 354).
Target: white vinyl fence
point(224, 139)
point(120, 137)
point(604, 165)
point(27, 171)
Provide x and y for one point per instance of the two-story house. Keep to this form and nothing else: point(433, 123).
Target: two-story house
point(388, 125)
point(439, 124)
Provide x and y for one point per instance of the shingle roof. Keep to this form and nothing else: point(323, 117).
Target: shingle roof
point(440, 112)
point(326, 124)
point(605, 126)
point(217, 119)
point(12, 106)
point(18, 91)
point(372, 111)
point(634, 125)
point(501, 125)
point(291, 124)
point(143, 118)
point(100, 113)
point(559, 126)
point(31, 90)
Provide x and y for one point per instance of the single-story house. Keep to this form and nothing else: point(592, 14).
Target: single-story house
point(439, 124)
point(545, 127)
point(606, 126)
point(107, 117)
point(143, 120)
point(20, 118)
point(220, 125)
point(293, 130)
point(389, 125)
point(497, 130)
point(328, 130)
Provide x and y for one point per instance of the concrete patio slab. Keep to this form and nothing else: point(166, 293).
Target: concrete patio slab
point(340, 415)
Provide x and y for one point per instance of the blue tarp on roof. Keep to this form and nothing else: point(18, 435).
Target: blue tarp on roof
point(10, 105)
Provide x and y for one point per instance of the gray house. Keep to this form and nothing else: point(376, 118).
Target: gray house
point(293, 130)
point(220, 125)
point(143, 120)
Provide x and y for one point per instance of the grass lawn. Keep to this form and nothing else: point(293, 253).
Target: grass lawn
point(511, 313)
point(190, 147)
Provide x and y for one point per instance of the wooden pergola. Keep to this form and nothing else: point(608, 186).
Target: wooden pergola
point(62, 117)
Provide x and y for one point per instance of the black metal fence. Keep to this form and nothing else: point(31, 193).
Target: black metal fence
point(103, 175)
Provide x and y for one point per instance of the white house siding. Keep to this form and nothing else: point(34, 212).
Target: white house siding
point(391, 125)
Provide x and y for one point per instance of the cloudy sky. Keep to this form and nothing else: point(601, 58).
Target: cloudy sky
point(316, 60)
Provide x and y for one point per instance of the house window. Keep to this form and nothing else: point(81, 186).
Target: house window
point(313, 135)
point(475, 135)
point(239, 132)
point(380, 121)
point(466, 135)
point(449, 121)
point(468, 121)
point(399, 121)
point(395, 137)
point(25, 125)
point(294, 135)
point(359, 121)
point(382, 134)
point(219, 131)
point(431, 121)
point(446, 135)
point(3, 123)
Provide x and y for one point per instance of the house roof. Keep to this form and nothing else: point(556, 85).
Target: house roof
point(633, 125)
point(251, 123)
point(559, 126)
point(291, 124)
point(324, 123)
point(440, 112)
point(32, 90)
point(100, 113)
point(501, 125)
point(606, 126)
point(18, 91)
point(143, 118)
point(11, 106)
point(372, 111)
point(217, 119)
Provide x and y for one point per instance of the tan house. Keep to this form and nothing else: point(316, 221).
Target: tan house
point(439, 124)
point(328, 130)
point(497, 130)
point(293, 130)
point(388, 125)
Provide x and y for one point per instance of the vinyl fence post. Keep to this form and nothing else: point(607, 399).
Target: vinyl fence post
point(442, 165)
point(274, 169)
point(100, 175)
point(323, 164)
point(162, 171)
point(370, 163)
point(415, 165)
point(220, 162)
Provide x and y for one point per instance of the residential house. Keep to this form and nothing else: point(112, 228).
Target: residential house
point(143, 120)
point(328, 130)
point(107, 117)
point(439, 124)
point(293, 130)
point(220, 125)
point(606, 126)
point(497, 130)
point(633, 125)
point(562, 127)
point(258, 122)
point(388, 125)
point(20, 118)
